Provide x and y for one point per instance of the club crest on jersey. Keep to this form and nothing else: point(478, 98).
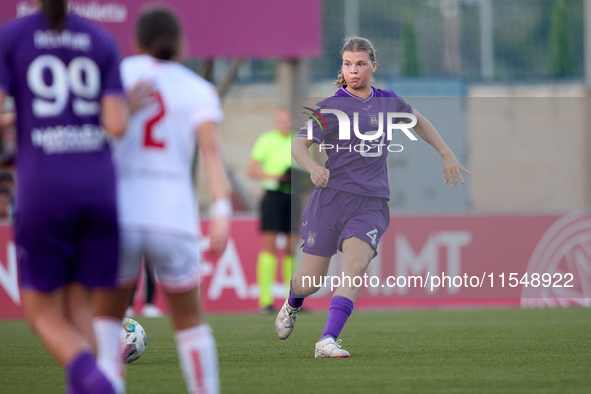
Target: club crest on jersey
point(312, 239)
point(373, 119)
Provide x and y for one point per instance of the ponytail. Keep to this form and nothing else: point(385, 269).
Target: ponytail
point(340, 82)
point(56, 12)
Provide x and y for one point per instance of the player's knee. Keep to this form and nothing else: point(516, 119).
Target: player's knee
point(356, 267)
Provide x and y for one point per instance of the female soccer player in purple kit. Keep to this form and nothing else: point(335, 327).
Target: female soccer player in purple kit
point(348, 209)
point(63, 73)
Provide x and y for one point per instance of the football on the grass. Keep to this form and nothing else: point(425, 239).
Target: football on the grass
point(134, 340)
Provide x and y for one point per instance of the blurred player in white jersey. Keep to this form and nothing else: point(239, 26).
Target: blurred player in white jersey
point(157, 203)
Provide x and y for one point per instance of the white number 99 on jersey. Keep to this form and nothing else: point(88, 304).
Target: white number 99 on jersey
point(81, 77)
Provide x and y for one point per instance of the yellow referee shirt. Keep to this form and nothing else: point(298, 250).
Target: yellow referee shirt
point(273, 150)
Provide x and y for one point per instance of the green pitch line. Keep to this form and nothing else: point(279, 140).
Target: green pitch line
point(453, 351)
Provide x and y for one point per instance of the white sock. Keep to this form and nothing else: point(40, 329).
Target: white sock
point(199, 359)
point(109, 359)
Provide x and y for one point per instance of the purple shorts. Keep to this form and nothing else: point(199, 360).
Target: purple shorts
point(333, 215)
point(67, 243)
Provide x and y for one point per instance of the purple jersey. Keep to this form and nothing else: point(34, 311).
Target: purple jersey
point(57, 80)
point(357, 166)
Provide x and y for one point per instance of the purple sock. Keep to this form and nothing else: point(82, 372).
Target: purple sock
point(70, 389)
point(85, 377)
point(338, 313)
point(294, 300)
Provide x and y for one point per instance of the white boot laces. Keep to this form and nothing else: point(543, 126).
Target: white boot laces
point(291, 314)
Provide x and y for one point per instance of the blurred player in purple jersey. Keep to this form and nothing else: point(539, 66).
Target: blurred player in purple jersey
point(348, 209)
point(63, 72)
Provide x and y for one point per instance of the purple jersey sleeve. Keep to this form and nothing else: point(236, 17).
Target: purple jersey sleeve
point(111, 74)
point(403, 106)
point(320, 124)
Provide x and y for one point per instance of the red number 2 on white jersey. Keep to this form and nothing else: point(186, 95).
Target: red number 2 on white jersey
point(149, 139)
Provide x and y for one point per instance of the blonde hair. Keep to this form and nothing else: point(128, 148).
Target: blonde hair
point(356, 44)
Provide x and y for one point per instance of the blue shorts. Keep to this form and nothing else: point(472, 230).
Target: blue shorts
point(60, 244)
point(333, 215)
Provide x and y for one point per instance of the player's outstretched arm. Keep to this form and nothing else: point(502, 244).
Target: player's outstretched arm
point(218, 184)
point(452, 169)
point(299, 150)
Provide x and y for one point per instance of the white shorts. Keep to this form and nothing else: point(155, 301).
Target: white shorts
point(173, 257)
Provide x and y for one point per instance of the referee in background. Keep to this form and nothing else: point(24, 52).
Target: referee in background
point(271, 162)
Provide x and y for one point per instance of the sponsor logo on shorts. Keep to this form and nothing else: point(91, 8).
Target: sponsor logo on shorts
point(312, 239)
point(373, 234)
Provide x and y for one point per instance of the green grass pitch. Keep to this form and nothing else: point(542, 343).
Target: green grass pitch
point(449, 351)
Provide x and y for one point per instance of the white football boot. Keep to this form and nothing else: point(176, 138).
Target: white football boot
point(151, 310)
point(129, 312)
point(329, 348)
point(285, 320)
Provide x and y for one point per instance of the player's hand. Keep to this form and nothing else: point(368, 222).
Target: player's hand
point(452, 169)
point(219, 232)
point(319, 176)
point(141, 95)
